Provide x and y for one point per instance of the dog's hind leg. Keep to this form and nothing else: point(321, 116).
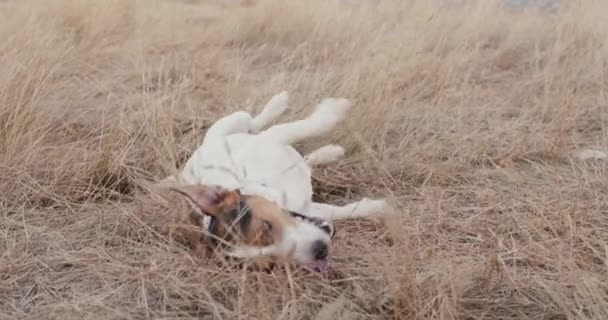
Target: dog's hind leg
point(326, 116)
point(242, 122)
point(237, 122)
point(359, 209)
point(324, 155)
point(275, 107)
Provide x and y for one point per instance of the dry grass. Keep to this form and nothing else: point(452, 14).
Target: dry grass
point(467, 116)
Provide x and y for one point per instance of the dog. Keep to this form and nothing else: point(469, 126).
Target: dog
point(251, 191)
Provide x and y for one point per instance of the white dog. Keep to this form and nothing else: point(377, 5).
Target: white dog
point(253, 191)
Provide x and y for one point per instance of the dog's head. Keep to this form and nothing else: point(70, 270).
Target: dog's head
point(256, 227)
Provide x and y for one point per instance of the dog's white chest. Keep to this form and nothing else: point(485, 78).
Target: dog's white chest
point(255, 166)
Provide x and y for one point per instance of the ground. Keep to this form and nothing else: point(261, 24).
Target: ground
point(466, 115)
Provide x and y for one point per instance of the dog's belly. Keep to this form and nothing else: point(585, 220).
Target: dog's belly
point(258, 167)
point(275, 171)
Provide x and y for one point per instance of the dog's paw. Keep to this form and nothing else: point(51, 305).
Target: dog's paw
point(334, 105)
point(326, 154)
point(280, 99)
point(332, 110)
point(277, 105)
point(373, 206)
point(332, 152)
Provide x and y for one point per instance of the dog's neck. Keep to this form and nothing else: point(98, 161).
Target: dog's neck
point(246, 186)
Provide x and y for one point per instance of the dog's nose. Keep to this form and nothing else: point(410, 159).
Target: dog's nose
point(319, 249)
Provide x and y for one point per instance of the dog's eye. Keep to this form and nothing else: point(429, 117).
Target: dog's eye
point(268, 225)
point(327, 229)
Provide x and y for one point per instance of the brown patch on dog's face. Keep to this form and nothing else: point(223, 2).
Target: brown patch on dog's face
point(237, 218)
point(268, 222)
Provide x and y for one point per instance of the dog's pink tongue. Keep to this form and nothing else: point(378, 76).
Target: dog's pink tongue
point(320, 265)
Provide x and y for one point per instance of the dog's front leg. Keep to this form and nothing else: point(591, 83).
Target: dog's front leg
point(275, 107)
point(359, 209)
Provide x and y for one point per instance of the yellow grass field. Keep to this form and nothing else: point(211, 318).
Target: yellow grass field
point(468, 117)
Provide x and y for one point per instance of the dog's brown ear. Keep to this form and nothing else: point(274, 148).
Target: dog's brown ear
point(211, 200)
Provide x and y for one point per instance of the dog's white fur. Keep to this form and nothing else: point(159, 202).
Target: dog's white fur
point(237, 154)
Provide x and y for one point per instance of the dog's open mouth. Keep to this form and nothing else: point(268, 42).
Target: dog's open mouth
point(318, 265)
